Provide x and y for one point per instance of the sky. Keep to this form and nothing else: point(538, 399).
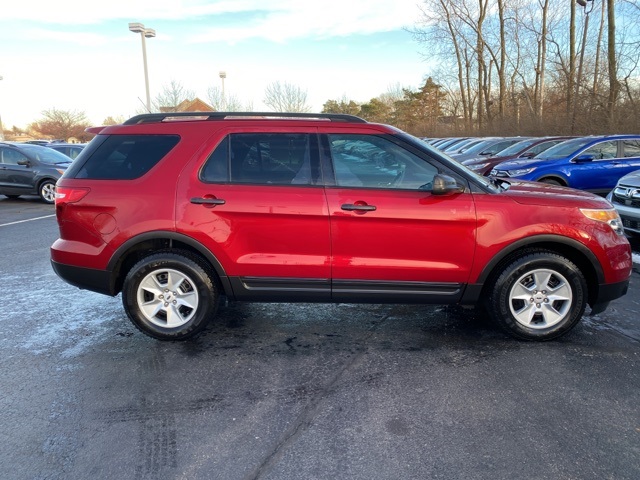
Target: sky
point(79, 55)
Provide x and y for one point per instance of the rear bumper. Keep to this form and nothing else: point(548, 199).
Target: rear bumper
point(85, 278)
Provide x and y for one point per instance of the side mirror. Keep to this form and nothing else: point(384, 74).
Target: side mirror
point(26, 163)
point(445, 185)
point(528, 155)
point(584, 158)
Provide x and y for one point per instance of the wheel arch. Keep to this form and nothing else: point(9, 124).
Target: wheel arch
point(573, 250)
point(554, 176)
point(138, 247)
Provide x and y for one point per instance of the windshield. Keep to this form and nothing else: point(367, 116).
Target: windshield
point(45, 154)
point(518, 147)
point(564, 149)
point(478, 147)
point(459, 145)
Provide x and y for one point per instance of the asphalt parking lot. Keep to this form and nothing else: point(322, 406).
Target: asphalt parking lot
point(301, 391)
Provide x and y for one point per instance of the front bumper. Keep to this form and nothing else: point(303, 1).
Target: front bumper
point(607, 293)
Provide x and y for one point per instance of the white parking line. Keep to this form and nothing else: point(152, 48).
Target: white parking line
point(635, 257)
point(27, 220)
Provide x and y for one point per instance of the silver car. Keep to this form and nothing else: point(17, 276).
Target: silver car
point(626, 198)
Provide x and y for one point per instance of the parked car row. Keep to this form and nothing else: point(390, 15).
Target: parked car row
point(32, 169)
point(603, 164)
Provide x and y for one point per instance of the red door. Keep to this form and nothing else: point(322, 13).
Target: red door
point(389, 234)
point(265, 218)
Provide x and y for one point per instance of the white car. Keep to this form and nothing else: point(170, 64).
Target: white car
point(626, 198)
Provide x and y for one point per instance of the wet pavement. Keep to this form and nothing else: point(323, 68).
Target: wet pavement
point(302, 391)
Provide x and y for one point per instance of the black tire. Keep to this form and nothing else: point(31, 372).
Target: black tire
point(539, 295)
point(552, 181)
point(47, 191)
point(167, 313)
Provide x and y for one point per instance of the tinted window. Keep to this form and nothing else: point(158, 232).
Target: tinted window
point(263, 158)
point(375, 162)
point(631, 148)
point(602, 150)
point(123, 157)
point(10, 156)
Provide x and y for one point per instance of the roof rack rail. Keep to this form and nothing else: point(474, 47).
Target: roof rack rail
point(186, 116)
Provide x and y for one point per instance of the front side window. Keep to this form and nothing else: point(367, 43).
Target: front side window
point(123, 157)
point(603, 150)
point(375, 162)
point(11, 157)
point(263, 158)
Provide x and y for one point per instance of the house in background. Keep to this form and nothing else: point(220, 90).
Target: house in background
point(195, 105)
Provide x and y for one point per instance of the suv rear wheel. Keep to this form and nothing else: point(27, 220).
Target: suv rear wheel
point(539, 296)
point(170, 296)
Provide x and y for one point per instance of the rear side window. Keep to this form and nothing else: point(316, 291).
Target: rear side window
point(631, 148)
point(122, 157)
point(264, 158)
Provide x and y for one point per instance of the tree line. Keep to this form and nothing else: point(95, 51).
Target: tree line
point(536, 66)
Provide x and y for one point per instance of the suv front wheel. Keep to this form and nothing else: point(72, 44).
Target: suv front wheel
point(170, 296)
point(540, 295)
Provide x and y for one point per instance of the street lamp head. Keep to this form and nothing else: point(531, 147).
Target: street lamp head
point(137, 28)
point(223, 74)
point(149, 33)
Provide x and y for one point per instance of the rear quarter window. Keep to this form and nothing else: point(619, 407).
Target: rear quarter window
point(121, 157)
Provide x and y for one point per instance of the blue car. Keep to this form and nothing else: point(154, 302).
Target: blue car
point(588, 163)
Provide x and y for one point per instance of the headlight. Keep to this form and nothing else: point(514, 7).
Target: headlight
point(477, 166)
point(520, 172)
point(609, 217)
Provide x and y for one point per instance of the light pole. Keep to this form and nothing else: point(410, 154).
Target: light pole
point(144, 33)
point(223, 75)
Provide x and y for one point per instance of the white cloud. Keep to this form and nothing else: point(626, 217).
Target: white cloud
point(276, 20)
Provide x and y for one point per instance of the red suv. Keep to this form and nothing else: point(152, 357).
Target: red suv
point(175, 210)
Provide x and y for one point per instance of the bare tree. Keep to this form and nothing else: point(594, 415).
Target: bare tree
point(226, 103)
point(614, 86)
point(62, 124)
point(171, 96)
point(285, 97)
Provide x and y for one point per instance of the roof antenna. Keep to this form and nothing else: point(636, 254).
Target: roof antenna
point(144, 105)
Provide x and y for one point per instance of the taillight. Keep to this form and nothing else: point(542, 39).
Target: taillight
point(70, 195)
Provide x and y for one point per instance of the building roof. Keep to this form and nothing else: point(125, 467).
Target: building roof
point(195, 105)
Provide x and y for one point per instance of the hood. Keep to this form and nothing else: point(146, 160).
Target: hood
point(523, 163)
point(631, 179)
point(535, 193)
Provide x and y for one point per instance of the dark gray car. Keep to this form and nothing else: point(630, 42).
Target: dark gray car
point(27, 169)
